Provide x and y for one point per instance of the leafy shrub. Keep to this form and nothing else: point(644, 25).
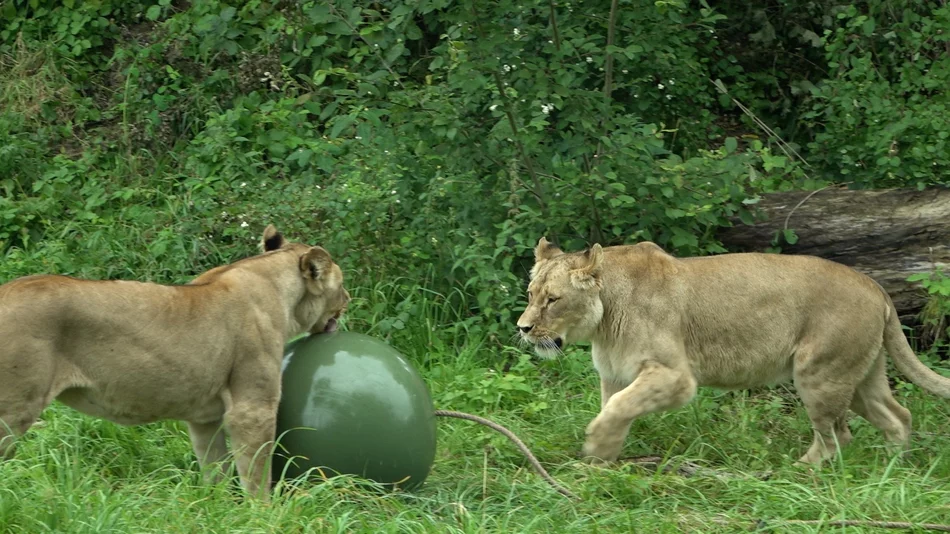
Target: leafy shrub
point(437, 140)
point(883, 110)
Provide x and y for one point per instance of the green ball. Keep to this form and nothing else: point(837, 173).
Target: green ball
point(352, 404)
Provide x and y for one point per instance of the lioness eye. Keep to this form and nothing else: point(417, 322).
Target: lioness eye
point(552, 300)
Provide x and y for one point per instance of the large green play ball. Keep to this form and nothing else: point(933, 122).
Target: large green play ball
point(351, 404)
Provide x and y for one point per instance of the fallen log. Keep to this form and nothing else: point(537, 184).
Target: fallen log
point(886, 234)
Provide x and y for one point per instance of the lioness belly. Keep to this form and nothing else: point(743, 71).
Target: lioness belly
point(735, 371)
point(128, 409)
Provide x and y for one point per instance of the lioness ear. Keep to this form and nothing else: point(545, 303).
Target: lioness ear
point(545, 250)
point(315, 262)
point(588, 276)
point(272, 239)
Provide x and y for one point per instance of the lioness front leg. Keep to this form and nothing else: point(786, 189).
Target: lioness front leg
point(252, 430)
point(608, 388)
point(655, 389)
point(251, 420)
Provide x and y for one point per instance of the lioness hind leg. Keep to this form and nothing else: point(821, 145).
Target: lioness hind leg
point(826, 386)
point(656, 388)
point(873, 401)
point(210, 446)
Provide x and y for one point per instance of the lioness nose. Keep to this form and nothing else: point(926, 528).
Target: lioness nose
point(525, 329)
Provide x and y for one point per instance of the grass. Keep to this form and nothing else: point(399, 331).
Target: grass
point(78, 474)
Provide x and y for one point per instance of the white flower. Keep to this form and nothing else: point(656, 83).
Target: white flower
point(669, 97)
point(397, 201)
point(624, 71)
point(506, 68)
point(660, 86)
point(358, 137)
point(393, 192)
point(492, 107)
point(244, 224)
point(671, 81)
point(590, 59)
point(550, 42)
point(243, 184)
point(516, 31)
point(349, 200)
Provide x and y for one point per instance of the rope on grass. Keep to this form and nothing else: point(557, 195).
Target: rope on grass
point(514, 439)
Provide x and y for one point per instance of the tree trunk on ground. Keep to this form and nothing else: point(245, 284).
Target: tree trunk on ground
point(886, 234)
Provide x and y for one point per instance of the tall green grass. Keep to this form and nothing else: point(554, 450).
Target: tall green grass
point(78, 474)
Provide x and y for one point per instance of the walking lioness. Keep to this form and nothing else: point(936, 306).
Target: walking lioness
point(208, 353)
point(660, 327)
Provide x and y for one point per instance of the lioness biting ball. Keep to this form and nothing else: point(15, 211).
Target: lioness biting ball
point(208, 353)
point(660, 326)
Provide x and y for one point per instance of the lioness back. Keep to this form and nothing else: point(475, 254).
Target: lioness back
point(742, 307)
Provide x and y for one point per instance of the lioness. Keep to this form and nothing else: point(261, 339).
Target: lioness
point(660, 326)
point(208, 353)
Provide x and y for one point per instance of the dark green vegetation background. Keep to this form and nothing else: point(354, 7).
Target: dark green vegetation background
point(428, 144)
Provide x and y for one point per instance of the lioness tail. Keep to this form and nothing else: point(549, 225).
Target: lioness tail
point(906, 361)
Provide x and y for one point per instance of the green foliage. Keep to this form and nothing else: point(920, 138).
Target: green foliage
point(936, 312)
point(883, 110)
point(76, 28)
point(440, 138)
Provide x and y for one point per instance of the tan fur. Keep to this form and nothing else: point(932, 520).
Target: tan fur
point(659, 327)
point(208, 353)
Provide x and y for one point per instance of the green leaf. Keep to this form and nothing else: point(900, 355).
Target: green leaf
point(342, 122)
point(790, 236)
point(731, 144)
point(227, 13)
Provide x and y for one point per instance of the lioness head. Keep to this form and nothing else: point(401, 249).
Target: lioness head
point(326, 300)
point(564, 303)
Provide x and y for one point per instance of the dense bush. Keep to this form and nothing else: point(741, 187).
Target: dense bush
point(437, 140)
